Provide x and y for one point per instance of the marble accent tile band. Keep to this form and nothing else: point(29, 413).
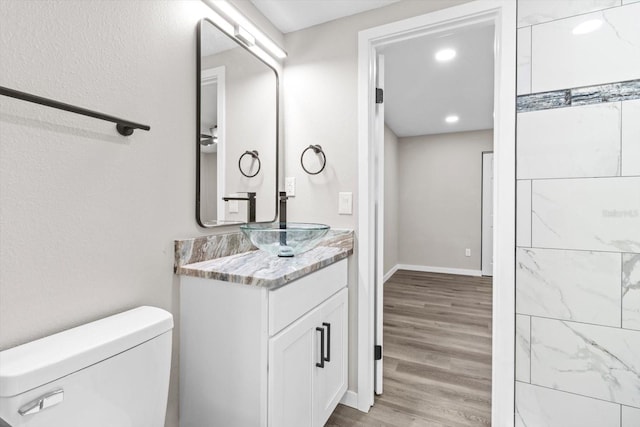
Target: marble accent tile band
point(612, 92)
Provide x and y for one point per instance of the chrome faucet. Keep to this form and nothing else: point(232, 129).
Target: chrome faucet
point(251, 199)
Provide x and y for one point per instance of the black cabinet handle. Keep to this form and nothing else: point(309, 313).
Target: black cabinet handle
point(321, 363)
point(328, 325)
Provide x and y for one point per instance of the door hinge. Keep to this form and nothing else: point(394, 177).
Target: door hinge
point(377, 352)
point(379, 95)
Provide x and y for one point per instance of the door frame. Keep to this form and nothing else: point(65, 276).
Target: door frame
point(379, 219)
point(502, 13)
point(482, 214)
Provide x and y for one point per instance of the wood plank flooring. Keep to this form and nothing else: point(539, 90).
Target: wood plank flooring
point(437, 354)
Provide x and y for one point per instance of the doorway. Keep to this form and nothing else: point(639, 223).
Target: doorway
point(502, 15)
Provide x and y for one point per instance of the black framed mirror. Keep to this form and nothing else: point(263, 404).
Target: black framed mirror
point(237, 116)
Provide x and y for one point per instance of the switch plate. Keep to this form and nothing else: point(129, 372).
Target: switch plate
point(345, 203)
point(290, 186)
point(233, 206)
point(467, 252)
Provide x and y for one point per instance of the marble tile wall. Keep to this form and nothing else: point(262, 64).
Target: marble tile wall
point(578, 214)
point(611, 53)
point(570, 142)
point(630, 416)
point(595, 361)
point(531, 12)
point(631, 291)
point(523, 348)
point(599, 214)
point(631, 138)
point(524, 61)
point(551, 408)
point(523, 213)
point(582, 286)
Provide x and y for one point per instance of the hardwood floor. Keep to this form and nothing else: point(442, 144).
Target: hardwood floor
point(437, 354)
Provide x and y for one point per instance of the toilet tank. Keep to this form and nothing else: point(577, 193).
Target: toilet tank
point(113, 372)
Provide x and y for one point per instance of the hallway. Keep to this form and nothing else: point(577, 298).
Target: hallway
point(437, 354)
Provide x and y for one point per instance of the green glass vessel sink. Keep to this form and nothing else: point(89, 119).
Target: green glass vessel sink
point(285, 240)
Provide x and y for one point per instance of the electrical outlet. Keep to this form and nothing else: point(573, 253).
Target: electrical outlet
point(233, 206)
point(345, 203)
point(467, 252)
point(290, 186)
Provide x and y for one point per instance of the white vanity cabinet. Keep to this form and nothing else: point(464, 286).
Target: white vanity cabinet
point(250, 356)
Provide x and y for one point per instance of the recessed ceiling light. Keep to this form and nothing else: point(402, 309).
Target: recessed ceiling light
point(587, 26)
point(451, 119)
point(445, 55)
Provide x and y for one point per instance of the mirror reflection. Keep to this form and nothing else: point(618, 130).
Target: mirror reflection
point(237, 122)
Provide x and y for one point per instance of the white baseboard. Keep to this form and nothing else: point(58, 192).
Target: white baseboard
point(390, 273)
point(446, 270)
point(350, 399)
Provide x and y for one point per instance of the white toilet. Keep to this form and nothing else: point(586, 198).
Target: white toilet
point(113, 372)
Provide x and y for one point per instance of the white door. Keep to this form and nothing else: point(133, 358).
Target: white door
point(487, 214)
point(379, 221)
point(331, 379)
point(293, 355)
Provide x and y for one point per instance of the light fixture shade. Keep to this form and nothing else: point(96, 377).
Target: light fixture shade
point(244, 36)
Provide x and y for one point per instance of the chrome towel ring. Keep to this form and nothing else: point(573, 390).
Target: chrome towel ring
point(318, 150)
point(254, 154)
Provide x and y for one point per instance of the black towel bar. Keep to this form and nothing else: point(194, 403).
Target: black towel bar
point(124, 127)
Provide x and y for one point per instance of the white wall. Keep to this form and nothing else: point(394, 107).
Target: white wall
point(320, 107)
point(88, 217)
point(391, 198)
point(578, 255)
point(440, 199)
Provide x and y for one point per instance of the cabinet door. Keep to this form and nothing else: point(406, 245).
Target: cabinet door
point(293, 355)
point(331, 381)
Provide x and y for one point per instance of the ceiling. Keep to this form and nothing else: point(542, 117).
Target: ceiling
point(419, 91)
point(294, 15)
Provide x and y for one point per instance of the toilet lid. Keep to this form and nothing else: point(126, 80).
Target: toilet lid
point(33, 364)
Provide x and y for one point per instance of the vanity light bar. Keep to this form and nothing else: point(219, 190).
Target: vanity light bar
point(244, 36)
point(246, 25)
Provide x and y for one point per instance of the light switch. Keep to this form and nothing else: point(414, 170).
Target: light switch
point(290, 186)
point(345, 203)
point(467, 252)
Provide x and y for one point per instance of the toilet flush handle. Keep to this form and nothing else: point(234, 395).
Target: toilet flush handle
point(43, 402)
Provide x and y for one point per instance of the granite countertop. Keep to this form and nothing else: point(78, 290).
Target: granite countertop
point(232, 258)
